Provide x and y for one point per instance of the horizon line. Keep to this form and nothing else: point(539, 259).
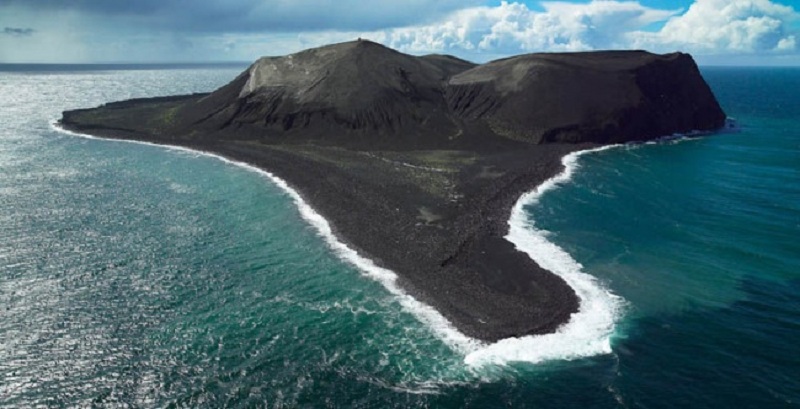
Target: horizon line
point(244, 63)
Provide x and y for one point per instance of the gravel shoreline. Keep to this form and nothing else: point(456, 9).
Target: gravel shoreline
point(450, 255)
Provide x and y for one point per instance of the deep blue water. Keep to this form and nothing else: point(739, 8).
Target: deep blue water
point(701, 238)
point(136, 276)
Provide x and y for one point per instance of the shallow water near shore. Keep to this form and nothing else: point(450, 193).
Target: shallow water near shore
point(131, 275)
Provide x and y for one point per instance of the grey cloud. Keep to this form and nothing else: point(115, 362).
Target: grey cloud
point(245, 16)
point(18, 32)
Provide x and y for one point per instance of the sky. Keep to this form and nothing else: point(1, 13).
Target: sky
point(716, 32)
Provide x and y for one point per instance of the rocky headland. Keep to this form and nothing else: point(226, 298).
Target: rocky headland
point(417, 161)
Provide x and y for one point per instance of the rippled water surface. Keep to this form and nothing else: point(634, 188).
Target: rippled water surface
point(136, 276)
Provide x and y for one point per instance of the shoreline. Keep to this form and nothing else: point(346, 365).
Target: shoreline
point(438, 324)
point(446, 245)
point(585, 333)
point(422, 173)
point(589, 330)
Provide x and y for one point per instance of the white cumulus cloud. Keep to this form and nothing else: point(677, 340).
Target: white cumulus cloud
point(513, 27)
point(723, 26)
point(166, 30)
point(706, 27)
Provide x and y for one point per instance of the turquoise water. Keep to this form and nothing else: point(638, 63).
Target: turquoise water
point(702, 239)
point(136, 276)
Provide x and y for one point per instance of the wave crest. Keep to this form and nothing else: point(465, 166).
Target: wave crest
point(589, 331)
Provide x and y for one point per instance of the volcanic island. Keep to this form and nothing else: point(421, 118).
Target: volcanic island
point(417, 161)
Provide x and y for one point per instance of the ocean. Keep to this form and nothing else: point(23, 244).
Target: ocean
point(133, 275)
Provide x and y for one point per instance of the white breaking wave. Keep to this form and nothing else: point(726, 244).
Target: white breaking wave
point(423, 312)
point(588, 331)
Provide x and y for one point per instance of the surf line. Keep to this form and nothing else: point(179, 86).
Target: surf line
point(590, 330)
point(587, 333)
point(423, 312)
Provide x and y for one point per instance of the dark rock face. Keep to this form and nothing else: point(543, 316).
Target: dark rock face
point(597, 97)
point(351, 88)
point(417, 161)
point(365, 93)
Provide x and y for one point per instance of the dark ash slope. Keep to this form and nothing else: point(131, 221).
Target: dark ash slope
point(416, 161)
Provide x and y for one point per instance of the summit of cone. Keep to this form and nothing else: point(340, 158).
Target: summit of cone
point(357, 85)
point(351, 75)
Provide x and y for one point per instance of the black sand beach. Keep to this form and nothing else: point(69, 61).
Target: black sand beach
point(417, 161)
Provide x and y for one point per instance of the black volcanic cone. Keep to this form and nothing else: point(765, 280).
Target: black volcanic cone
point(354, 88)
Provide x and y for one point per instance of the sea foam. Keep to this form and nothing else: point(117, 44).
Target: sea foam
point(588, 331)
point(423, 312)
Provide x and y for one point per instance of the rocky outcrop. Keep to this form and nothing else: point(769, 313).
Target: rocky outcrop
point(598, 97)
point(365, 93)
point(351, 88)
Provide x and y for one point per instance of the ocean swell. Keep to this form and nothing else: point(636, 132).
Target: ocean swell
point(587, 333)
